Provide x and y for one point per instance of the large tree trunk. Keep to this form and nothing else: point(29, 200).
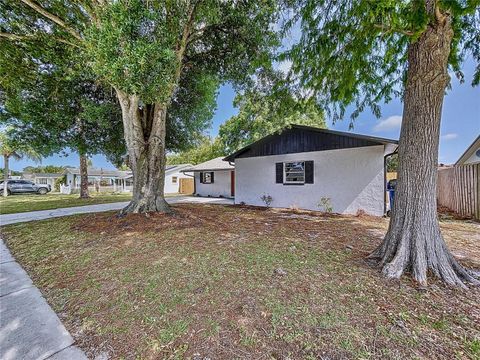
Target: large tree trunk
point(84, 177)
point(6, 169)
point(414, 242)
point(144, 128)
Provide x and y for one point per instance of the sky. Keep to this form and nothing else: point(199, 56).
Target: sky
point(460, 123)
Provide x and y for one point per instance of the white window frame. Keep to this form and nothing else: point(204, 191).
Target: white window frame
point(285, 181)
point(174, 179)
point(42, 181)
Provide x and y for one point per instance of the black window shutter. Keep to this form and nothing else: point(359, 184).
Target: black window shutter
point(201, 177)
point(279, 173)
point(308, 172)
point(211, 177)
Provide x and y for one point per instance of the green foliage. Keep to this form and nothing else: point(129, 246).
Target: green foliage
point(392, 163)
point(268, 107)
point(12, 172)
point(354, 52)
point(132, 46)
point(175, 53)
point(59, 181)
point(206, 150)
point(325, 204)
point(46, 169)
point(60, 105)
point(12, 148)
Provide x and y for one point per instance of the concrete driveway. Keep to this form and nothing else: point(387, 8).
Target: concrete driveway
point(47, 214)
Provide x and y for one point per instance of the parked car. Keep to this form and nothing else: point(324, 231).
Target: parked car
point(25, 187)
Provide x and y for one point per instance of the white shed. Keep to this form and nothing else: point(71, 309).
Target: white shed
point(315, 169)
point(213, 178)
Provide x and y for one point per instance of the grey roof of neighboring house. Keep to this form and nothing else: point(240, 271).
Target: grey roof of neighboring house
point(211, 165)
point(99, 172)
point(168, 169)
point(176, 167)
point(469, 152)
point(44, 175)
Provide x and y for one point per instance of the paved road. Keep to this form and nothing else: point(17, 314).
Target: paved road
point(47, 214)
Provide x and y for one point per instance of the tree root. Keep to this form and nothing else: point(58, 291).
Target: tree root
point(412, 253)
point(146, 205)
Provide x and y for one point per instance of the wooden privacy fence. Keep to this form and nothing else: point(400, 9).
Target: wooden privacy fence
point(186, 186)
point(458, 188)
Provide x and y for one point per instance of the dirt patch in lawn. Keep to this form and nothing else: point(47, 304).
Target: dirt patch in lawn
point(224, 282)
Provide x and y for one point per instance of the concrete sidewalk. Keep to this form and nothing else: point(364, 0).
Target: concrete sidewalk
point(29, 328)
point(47, 214)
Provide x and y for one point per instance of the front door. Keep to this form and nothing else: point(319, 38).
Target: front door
point(232, 183)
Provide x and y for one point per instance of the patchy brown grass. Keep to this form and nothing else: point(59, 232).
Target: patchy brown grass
point(206, 283)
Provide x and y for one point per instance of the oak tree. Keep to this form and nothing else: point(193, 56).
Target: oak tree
point(358, 53)
point(155, 54)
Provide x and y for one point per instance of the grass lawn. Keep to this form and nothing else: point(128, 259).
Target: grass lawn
point(226, 282)
point(31, 202)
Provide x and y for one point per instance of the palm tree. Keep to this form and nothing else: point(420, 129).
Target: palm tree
point(10, 149)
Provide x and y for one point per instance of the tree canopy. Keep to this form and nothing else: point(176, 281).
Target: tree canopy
point(355, 52)
point(205, 150)
point(165, 60)
point(45, 169)
point(268, 106)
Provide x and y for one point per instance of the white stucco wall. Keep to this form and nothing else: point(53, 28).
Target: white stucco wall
point(170, 187)
point(351, 178)
point(221, 186)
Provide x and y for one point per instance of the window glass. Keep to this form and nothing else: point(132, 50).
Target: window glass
point(294, 172)
point(174, 179)
point(207, 177)
point(42, 181)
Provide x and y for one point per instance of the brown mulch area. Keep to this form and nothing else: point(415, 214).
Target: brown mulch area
point(225, 282)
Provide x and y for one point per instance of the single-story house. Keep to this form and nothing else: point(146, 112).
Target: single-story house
point(316, 169)
point(43, 178)
point(213, 178)
point(173, 176)
point(471, 155)
point(106, 179)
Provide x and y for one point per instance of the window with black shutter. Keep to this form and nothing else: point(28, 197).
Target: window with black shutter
point(207, 177)
point(279, 173)
point(294, 173)
point(308, 172)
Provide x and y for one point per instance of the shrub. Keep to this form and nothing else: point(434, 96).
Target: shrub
point(59, 181)
point(325, 204)
point(267, 199)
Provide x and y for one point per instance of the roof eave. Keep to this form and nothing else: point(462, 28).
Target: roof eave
point(381, 141)
point(469, 152)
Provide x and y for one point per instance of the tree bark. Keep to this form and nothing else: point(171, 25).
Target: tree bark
point(414, 241)
point(6, 169)
point(145, 128)
point(83, 177)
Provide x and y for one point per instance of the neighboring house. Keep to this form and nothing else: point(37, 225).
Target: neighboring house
point(173, 176)
point(43, 178)
point(213, 178)
point(471, 155)
point(316, 169)
point(106, 179)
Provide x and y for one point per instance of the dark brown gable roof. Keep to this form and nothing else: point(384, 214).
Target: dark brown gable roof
point(299, 138)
